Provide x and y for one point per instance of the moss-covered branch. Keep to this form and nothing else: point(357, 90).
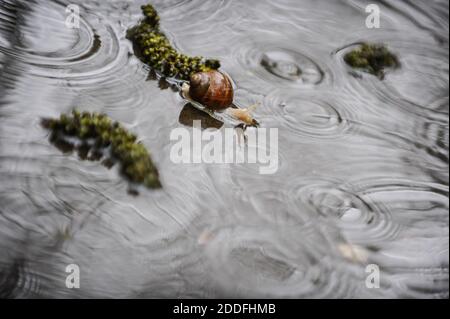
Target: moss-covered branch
point(97, 133)
point(155, 49)
point(372, 58)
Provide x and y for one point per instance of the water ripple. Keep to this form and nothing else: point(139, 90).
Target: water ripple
point(267, 264)
point(271, 63)
point(363, 163)
point(316, 114)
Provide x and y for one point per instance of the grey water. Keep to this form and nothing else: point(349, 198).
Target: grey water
point(363, 174)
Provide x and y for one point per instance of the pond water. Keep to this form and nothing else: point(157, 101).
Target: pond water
point(363, 172)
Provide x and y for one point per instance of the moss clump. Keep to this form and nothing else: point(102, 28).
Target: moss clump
point(97, 132)
point(155, 50)
point(372, 58)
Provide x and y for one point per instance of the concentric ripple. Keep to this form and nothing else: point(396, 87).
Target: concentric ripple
point(19, 282)
point(314, 114)
point(267, 264)
point(85, 51)
point(432, 144)
point(361, 219)
point(421, 75)
point(284, 66)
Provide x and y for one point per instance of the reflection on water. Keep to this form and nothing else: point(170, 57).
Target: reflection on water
point(363, 174)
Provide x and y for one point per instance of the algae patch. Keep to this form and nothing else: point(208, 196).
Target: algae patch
point(372, 58)
point(154, 49)
point(95, 136)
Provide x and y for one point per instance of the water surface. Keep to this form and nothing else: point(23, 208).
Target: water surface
point(363, 176)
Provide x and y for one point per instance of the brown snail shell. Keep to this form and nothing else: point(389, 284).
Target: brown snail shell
point(212, 89)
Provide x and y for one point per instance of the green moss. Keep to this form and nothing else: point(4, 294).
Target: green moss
point(97, 132)
point(155, 49)
point(372, 58)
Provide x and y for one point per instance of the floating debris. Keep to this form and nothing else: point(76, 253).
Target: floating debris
point(93, 135)
point(155, 49)
point(372, 58)
point(354, 253)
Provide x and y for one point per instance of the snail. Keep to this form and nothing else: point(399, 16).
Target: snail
point(214, 90)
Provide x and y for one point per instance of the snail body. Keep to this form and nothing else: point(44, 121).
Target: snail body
point(214, 90)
